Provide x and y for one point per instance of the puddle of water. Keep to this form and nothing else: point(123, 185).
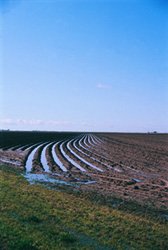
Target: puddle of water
point(34, 178)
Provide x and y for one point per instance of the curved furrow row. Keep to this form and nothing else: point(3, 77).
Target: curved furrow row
point(30, 158)
point(86, 142)
point(50, 160)
point(105, 161)
point(15, 147)
point(63, 156)
point(97, 139)
point(26, 147)
point(29, 149)
point(52, 165)
point(94, 141)
point(10, 147)
point(95, 144)
point(56, 158)
point(43, 158)
point(74, 158)
point(89, 154)
point(77, 148)
point(81, 158)
point(82, 144)
point(105, 153)
point(21, 147)
point(69, 159)
point(37, 163)
point(110, 164)
point(62, 160)
point(90, 141)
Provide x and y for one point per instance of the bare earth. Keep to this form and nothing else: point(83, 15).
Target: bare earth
point(140, 168)
point(134, 166)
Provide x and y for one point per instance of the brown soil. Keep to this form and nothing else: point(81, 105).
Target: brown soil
point(140, 171)
point(135, 166)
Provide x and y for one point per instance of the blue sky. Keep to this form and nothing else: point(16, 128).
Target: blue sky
point(84, 65)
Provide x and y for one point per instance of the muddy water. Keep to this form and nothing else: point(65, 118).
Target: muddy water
point(35, 178)
point(71, 160)
point(80, 144)
point(90, 142)
point(93, 140)
point(78, 148)
point(98, 139)
point(96, 160)
point(44, 159)
point(85, 142)
point(29, 161)
point(56, 159)
point(83, 160)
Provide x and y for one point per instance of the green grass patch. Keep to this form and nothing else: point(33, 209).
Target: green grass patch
point(34, 217)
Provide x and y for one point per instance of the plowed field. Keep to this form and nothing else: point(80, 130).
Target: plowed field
point(129, 166)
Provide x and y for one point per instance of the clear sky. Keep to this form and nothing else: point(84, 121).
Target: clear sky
point(84, 65)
